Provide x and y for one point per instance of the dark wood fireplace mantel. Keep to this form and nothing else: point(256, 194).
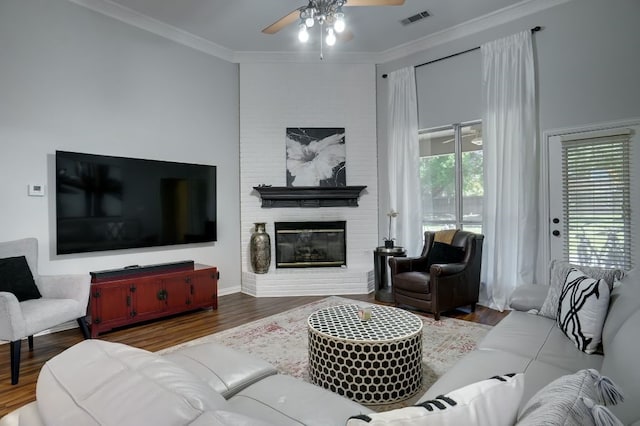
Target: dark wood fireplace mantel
point(309, 196)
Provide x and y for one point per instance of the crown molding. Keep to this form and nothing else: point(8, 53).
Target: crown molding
point(309, 56)
point(468, 28)
point(136, 19)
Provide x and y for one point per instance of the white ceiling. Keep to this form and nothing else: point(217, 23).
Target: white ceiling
point(236, 25)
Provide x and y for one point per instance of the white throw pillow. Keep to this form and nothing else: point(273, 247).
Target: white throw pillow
point(558, 270)
point(582, 309)
point(492, 402)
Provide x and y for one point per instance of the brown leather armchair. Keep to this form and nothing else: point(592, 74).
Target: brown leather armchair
point(439, 287)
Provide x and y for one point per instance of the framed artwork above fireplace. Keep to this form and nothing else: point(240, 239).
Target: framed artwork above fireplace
point(316, 156)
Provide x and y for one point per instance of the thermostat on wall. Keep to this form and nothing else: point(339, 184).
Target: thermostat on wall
point(36, 190)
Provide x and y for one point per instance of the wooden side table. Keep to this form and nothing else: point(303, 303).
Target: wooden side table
point(382, 272)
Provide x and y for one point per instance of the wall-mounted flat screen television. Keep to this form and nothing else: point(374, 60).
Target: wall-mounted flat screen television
point(113, 203)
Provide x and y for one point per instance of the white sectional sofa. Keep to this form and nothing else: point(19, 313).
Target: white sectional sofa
point(101, 383)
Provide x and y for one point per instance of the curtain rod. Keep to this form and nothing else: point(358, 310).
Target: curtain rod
point(533, 30)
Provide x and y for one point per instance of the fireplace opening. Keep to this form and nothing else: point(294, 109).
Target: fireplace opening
point(311, 244)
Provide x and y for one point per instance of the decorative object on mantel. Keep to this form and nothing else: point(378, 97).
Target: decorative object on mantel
point(316, 156)
point(388, 242)
point(260, 249)
point(309, 196)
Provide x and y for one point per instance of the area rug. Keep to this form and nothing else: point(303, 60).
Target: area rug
point(282, 340)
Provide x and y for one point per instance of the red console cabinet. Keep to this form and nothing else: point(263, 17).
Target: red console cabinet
point(120, 301)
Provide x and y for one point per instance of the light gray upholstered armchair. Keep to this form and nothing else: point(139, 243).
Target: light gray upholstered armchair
point(64, 298)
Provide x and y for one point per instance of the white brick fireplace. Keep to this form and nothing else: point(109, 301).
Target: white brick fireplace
point(274, 97)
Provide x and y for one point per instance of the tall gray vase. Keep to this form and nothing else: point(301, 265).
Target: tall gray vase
point(260, 249)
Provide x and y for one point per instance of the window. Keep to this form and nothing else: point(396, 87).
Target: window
point(597, 200)
point(451, 177)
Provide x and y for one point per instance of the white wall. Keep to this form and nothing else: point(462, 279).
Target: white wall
point(587, 70)
point(274, 97)
point(72, 79)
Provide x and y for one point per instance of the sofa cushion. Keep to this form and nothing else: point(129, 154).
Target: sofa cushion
point(520, 333)
point(568, 400)
point(562, 352)
point(493, 402)
point(528, 296)
point(27, 415)
point(558, 272)
point(623, 302)
point(582, 309)
point(621, 365)
point(16, 278)
point(226, 418)
point(285, 400)
point(102, 383)
point(226, 370)
point(476, 366)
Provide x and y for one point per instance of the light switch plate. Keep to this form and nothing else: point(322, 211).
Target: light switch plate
point(36, 190)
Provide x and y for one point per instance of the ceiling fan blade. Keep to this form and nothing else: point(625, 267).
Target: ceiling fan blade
point(284, 21)
point(374, 3)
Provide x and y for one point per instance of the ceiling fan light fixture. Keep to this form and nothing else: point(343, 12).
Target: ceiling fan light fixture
point(303, 34)
point(331, 37)
point(309, 22)
point(339, 24)
point(307, 16)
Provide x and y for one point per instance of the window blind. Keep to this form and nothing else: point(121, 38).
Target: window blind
point(597, 200)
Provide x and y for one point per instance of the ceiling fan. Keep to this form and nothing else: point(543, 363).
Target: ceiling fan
point(326, 13)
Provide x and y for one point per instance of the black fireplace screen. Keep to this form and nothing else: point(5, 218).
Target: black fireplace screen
point(311, 244)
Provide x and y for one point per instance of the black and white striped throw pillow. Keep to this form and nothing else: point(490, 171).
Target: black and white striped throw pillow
point(492, 402)
point(582, 309)
point(574, 399)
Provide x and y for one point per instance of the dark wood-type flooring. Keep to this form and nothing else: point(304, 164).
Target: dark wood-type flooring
point(233, 310)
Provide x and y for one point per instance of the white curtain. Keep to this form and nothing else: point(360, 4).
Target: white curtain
point(511, 167)
point(404, 161)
